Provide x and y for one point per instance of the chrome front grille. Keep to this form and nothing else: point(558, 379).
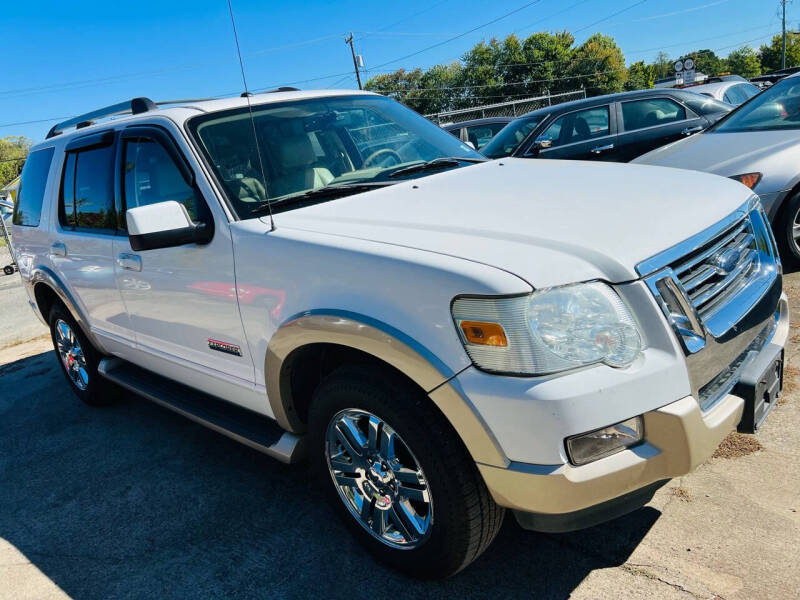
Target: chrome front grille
point(719, 269)
point(718, 291)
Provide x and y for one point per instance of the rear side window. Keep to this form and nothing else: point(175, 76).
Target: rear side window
point(87, 190)
point(151, 176)
point(639, 114)
point(28, 209)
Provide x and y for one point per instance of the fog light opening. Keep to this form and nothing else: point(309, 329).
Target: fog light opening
point(594, 445)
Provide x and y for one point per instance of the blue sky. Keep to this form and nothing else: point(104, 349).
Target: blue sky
point(64, 58)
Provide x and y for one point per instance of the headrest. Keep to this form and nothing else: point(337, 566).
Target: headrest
point(296, 152)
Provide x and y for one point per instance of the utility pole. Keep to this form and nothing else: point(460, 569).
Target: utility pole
point(349, 40)
point(783, 27)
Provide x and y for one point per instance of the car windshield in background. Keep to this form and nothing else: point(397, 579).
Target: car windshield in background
point(511, 136)
point(343, 142)
point(775, 108)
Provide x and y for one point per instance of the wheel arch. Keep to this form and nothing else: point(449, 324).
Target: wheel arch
point(48, 288)
point(322, 340)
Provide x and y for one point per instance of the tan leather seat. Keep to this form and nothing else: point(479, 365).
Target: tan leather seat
point(296, 173)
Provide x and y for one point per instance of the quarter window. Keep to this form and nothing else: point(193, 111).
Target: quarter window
point(579, 126)
point(639, 114)
point(151, 176)
point(87, 195)
point(28, 208)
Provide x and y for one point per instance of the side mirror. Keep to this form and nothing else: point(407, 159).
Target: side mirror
point(541, 143)
point(164, 225)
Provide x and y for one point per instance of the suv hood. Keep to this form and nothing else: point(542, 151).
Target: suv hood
point(549, 222)
point(725, 154)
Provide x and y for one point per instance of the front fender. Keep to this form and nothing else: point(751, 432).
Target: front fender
point(392, 347)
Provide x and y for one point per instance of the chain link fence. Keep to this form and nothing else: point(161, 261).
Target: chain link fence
point(513, 108)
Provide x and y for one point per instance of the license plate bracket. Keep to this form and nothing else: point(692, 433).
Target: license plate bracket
point(760, 386)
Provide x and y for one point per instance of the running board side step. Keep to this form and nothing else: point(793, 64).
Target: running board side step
point(245, 426)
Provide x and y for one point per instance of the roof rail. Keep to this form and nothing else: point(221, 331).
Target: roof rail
point(134, 107)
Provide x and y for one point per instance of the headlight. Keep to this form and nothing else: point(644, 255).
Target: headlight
point(548, 331)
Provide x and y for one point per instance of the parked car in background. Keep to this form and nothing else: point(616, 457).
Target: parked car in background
point(759, 145)
point(442, 336)
point(768, 79)
point(478, 131)
point(733, 91)
point(6, 208)
point(615, 127)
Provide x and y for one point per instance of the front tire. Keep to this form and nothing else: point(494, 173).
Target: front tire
point(77, 358)
point(397, 473)
point(787, 231)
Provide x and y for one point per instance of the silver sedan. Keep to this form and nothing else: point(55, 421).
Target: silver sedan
point(757, 144)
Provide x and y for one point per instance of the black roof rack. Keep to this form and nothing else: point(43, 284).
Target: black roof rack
point(135, 106)
point(132, 107)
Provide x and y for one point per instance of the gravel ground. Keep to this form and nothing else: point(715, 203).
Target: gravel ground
point(132, 501)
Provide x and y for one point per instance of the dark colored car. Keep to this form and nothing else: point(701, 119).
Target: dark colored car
point(478, 131)
point(616, 127)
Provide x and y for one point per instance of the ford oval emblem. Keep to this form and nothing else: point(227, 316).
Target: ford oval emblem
point(726, 261)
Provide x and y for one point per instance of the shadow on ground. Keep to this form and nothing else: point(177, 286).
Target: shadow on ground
point(131, 500)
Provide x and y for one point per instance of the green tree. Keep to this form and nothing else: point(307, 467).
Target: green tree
point(744, 61)
point(481, 74)
point(771, 55)
point(398, 85)
point(13, 150)
point(599, 66)
point(706, 61)
point(640, 76)
point(662, 66)
point(547, 58)
point(440, 88)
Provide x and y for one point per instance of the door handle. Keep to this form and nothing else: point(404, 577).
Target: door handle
point(131, 262)
point(58, 249)
point(691, 130)
point(599, 149)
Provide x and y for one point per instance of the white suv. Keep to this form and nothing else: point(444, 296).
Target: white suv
point(328, 275)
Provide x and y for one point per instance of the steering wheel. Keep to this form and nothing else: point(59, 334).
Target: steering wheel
point(379, 153)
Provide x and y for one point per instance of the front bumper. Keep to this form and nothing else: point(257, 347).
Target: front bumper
point(678, 437)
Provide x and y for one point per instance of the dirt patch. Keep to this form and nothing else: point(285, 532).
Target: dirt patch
point(737, 445)
point(681, 493)
point(790, 376)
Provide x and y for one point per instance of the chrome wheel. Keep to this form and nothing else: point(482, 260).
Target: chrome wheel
point(378, 478)
point(795, 236)
point(71, 354)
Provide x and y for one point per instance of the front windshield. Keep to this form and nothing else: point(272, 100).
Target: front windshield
point(316, 143)
point(511, 136)
point(774, 109)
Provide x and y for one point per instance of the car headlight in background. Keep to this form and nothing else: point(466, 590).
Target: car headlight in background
point(551, 330)
point(749, 179)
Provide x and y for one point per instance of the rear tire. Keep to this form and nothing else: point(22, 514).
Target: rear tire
point(78, 359)
point(454, 518)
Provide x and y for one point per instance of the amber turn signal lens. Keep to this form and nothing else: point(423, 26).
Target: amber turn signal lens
point(483, 334)
point(749, 179)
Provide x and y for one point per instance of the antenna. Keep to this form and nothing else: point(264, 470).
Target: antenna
point(247, 95)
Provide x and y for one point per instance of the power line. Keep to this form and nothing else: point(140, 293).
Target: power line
point(460, 35)
point(611, 16)
point(531, 81)
point(403, 20)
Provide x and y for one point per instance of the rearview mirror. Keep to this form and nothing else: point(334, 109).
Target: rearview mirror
point(164, 225)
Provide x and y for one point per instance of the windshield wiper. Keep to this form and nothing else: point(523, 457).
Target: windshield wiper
point(336, 190)
point(435, 164)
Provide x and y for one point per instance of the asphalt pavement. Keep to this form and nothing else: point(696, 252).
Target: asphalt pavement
point(133, 501)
